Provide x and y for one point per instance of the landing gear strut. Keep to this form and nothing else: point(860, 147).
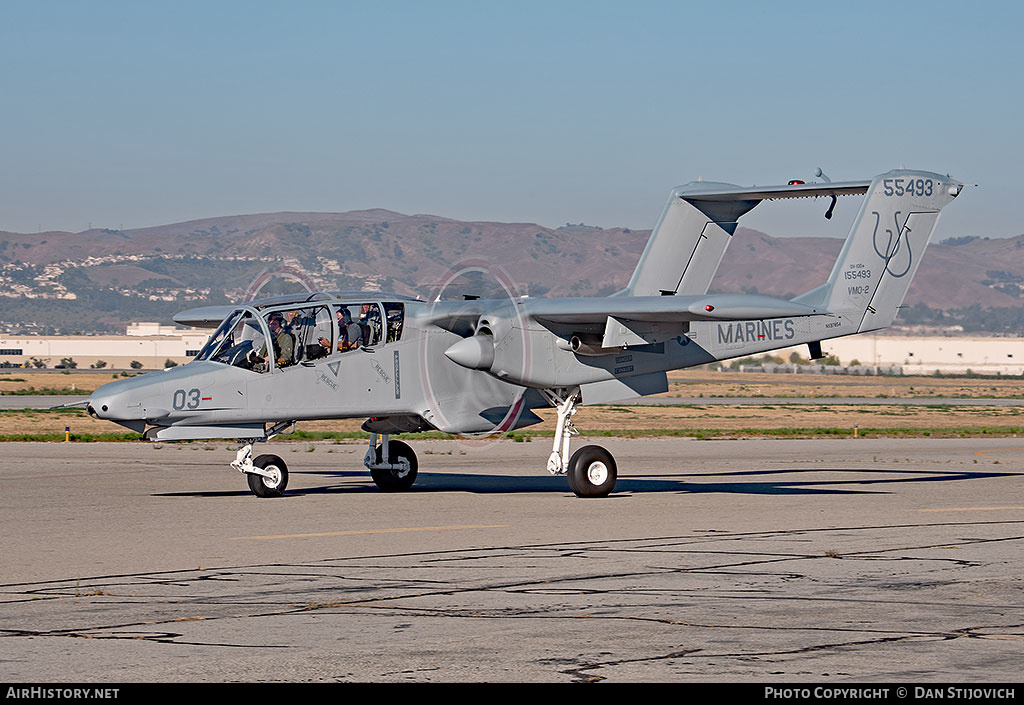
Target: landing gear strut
point(591, 469)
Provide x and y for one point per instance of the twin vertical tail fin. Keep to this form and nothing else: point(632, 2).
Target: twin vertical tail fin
point(696, 227)
point(874, 269)
point(884, 248)
point(687, 244)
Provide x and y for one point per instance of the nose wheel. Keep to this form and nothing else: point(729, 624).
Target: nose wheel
point(272, 479)
point(267, 475)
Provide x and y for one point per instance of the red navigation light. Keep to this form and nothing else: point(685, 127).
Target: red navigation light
point(709, 307)
point(795, 182)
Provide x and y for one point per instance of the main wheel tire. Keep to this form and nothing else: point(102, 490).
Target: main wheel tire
point(268, 486)
point(592, 472)
point(394, 480)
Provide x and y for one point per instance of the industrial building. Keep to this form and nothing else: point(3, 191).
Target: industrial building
point(150, 345)
point(924, 355)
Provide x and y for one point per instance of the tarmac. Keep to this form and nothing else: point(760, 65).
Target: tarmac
point(836, 561)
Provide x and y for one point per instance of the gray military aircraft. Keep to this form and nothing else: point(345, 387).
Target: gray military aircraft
point(484, 366)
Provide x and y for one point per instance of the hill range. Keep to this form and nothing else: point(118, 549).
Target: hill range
point(97, 280)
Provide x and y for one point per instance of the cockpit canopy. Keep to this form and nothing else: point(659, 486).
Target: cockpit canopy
point(261, 336)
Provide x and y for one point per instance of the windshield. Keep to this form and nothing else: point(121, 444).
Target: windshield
point(236, 337)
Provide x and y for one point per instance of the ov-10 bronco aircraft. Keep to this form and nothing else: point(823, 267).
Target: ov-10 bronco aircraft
point(483, 366)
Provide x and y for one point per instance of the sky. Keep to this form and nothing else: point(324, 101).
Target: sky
point(127, 114)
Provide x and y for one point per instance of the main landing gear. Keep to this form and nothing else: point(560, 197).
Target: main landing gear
point(591, 469)
point(392, 464)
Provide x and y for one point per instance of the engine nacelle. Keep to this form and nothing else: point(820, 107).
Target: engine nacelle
point(497, 347)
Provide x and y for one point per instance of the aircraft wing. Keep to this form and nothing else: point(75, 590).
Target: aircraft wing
point(677, 309)
point(561, 313)
point(642, 320)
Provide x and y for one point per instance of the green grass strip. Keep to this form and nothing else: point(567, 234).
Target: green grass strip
point(59, 410)
point(75, 437)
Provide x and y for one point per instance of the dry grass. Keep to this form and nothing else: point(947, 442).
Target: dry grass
point(694, 383)
point(21, 380)
point(791, 416)
point(696, 417)
point(601, 418)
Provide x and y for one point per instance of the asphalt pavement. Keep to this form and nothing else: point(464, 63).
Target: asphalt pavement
point(836, 561)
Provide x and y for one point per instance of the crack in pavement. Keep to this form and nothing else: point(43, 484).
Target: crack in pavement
point(580, 671)
point(549, 588)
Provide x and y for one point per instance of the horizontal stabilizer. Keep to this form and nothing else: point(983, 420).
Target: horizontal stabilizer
point(698, 191)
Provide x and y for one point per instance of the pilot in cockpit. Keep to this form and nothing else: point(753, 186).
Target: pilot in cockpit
point(284, 346)
point(350, 335)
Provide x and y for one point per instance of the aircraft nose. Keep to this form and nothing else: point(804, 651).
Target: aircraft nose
point(117, 401)
point(119, 408)
point(100, 407)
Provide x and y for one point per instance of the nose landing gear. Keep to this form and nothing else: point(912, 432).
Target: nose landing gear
point(267, 474)
point(272, 481)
